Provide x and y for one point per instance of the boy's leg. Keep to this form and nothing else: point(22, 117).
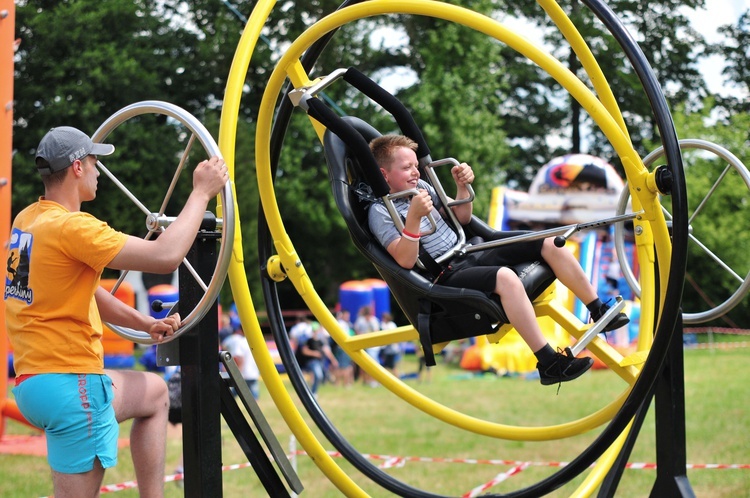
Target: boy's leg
point(143, 397)
point(553, 367)
point(568, 270)
point(518, 308)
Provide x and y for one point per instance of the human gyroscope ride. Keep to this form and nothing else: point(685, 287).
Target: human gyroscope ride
point(437, 314)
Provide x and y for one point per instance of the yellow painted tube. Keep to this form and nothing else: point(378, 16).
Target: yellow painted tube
point(238, 278)
point(594, 479)
point(298, 276)
point(588, 61)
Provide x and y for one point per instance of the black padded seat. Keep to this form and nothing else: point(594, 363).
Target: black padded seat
point(438, 312)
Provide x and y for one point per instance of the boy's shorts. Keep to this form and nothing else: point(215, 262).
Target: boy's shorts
point(478, 270)
point(75, 411)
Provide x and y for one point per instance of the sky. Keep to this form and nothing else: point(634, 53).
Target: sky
point(707, 21)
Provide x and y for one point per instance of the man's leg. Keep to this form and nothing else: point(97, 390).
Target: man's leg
point(79, 485)
point(316, 367)
point(143, 397)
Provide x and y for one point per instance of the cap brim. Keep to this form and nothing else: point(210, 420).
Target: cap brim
point(102, 149)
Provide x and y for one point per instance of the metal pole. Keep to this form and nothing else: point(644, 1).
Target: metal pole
point(671, 451)
point(201, 402)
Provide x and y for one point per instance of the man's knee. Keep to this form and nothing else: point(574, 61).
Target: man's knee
point(158, 392)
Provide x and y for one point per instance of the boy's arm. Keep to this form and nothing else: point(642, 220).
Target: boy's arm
point(405, 249)
point(463, 175)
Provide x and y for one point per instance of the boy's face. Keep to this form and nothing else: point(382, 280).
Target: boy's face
point(402, 173)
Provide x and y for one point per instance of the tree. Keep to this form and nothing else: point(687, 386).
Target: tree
point(671, 46)
point(79, 62)
point(475, 99)
point(736, 52)
point(723, 224)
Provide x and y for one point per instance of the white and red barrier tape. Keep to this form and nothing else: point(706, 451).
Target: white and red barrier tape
point(715, 330)
point(719, 345)
point(485, 461)
point(496, 480)
point(399, 461)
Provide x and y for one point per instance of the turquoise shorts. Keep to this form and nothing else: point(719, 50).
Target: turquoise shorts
point(75, 411)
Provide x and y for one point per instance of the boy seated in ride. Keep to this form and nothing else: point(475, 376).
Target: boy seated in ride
point(486, 270)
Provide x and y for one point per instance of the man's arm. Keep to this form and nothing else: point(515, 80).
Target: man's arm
point(329, 354)
point(308, 351)
point(165, 254)
point(114, 311)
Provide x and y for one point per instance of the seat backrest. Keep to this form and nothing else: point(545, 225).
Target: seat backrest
point(351, 197)
point(439, 313)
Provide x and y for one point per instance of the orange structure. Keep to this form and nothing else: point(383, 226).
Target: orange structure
point(118, 352)
point(8, 407)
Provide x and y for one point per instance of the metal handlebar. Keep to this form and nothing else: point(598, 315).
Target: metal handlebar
point(562, 233)
point(388, 199)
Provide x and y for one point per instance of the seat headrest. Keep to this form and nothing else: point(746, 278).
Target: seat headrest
point(337, 154)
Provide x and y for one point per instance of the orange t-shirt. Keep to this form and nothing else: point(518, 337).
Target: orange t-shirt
point(54, 265)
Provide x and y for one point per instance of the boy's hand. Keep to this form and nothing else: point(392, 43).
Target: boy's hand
point(421, 204)
point(462, 174)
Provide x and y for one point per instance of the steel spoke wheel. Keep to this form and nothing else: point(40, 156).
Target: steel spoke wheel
point(158, 219)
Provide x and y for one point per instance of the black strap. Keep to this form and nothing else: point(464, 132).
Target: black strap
point(423, 329)
point(432, 267)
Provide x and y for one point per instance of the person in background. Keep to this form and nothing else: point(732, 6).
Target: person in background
point(345, 372)
point(422, 367)
point(236, 344)
point(367, 322)
point(311, 356)
point(54, 313)
point(390, 354)
point(225, 328)
point(173, 378)
point(300, 332)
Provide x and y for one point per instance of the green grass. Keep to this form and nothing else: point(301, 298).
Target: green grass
point(375, 421)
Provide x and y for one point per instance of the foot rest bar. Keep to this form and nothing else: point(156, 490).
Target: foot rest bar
point(264, 428)
point(598, 327)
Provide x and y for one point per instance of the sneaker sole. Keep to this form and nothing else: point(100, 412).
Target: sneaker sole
point(552, 382)
point(619, 321)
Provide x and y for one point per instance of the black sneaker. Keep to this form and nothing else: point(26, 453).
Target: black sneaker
point(563, 369)
point(618, 321)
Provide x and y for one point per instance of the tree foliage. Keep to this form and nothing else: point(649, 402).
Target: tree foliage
point(80, 62)
point(672, 49)
point(475, 99)
point(719, 212)
point(736, 52)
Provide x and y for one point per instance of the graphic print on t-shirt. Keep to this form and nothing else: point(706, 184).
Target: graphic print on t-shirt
point(17, 269)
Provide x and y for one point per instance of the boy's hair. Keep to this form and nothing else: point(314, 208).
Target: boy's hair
point(383, 147)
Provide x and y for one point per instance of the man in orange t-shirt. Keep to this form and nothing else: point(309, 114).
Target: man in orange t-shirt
point(55, 309)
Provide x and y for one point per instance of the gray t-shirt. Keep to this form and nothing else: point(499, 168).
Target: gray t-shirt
point(382, 226)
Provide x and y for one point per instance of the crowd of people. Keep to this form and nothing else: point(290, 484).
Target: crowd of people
point(327, 362)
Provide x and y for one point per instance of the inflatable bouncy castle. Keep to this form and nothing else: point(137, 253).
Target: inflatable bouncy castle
point(570, 189)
